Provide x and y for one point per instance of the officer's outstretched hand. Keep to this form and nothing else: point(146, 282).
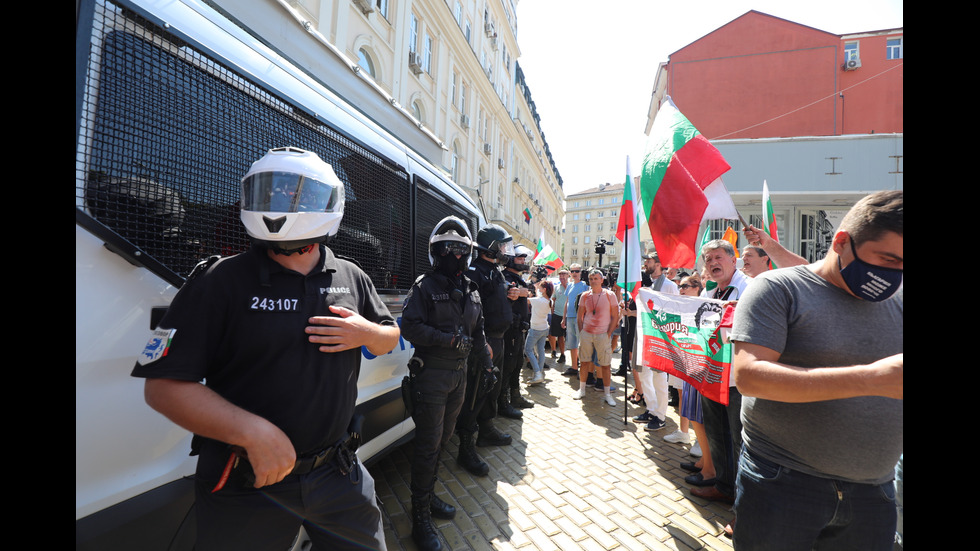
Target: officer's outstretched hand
point(348, 330)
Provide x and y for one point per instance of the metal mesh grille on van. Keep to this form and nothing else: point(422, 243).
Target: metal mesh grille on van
point(166, 133)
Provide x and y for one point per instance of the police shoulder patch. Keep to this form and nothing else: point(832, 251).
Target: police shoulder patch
point(157, 347)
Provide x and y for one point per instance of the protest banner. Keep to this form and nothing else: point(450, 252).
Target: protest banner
point(679, 335)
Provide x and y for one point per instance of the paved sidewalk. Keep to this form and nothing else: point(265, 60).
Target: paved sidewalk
point(575, 477)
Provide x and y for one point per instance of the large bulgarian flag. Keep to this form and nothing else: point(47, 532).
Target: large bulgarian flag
point(546, 255)
point(681, 186)
point(628, 233)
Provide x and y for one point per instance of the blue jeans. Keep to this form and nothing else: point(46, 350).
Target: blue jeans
point(781, 509)
point(534, 348)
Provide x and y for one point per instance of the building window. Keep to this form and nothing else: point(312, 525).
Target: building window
point(587, 239)
point(365, 62)
point(575, 217)
point(588, 227)
point(575, 240)
point(851, 51)
point(458, 14)
point(598, 227)
point(894, 48)
point(382, 8)
point(574, 228)
point(454, 168)
point(453, 84)
point(413, 34)
point(427, 54)
point(417, 111)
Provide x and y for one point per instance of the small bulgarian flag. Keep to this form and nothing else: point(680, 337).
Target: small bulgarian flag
point(628, 233)
point(768, 216)
point(681, 186)
point(546, 255)
point(527, 215)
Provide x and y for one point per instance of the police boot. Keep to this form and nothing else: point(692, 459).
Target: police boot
point(439, 508)
point(468, 458)
point(504, 409)
point(490, 436)
point(423, 532)
point(519, 401)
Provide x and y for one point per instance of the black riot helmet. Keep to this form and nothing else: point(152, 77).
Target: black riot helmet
point(450, 237)
point(495, 242)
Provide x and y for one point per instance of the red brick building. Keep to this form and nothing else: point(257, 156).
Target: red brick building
point(760, 76)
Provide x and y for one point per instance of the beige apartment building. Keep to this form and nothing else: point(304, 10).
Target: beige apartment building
point(590, 218)
point(441, 75)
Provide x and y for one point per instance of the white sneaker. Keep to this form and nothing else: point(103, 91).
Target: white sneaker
point(579, 395)
point(696, 449)
point(609, 400)
point(538, 379)
point(678, 437)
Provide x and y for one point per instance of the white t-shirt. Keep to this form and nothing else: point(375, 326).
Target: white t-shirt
point(540, 308)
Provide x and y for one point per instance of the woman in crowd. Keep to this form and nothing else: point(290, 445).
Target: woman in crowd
point(703, 470)
point(538, 333)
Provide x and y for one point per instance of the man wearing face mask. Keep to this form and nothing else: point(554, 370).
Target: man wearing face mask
point(818, 358)
point(443, 318)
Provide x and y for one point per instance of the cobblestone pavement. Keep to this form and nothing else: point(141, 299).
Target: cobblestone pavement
point(575, 477)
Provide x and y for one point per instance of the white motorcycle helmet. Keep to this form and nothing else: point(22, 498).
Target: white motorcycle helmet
point(450, 236)
point(291, 199)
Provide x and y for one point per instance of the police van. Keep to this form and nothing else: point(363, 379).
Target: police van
point(173, 102)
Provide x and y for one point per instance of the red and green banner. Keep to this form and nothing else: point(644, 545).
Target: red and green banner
point(628, 233)
point(681, 186)
point(680, 335)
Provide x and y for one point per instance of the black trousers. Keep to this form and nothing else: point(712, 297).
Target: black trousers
point(482, 408)
point(442, 394)
point(338, 511)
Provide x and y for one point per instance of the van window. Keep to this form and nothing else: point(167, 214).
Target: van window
point(168, 134)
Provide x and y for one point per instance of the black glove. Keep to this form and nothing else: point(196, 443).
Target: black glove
point(462, 343)
point(488, 380)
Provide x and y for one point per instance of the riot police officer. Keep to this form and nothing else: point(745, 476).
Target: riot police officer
point(493, 245)
point(443, 319)
point(511, 402)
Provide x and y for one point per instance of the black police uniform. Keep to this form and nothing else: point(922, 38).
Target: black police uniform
point(437, 310)
point(514, 345)
point(240, 326)
point(479, 411)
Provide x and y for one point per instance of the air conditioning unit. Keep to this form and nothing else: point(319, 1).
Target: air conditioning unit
point(488, 29)
point(415, 62)
point(500, 163)
point(486, 148)
point(367, 6)
point(852, 64)
point(464, 121)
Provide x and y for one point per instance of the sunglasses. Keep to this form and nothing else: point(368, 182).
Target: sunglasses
point(686, 286)
point(575, 271)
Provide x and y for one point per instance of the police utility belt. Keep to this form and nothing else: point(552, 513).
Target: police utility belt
point(343, 453)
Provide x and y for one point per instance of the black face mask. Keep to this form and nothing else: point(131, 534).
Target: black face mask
point(870, 282)
point(451, 266)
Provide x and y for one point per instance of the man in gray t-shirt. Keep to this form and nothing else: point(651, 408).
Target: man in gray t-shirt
point(818, 359)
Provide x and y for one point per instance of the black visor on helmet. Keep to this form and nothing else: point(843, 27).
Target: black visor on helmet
point(442, 248)
point(288, 192)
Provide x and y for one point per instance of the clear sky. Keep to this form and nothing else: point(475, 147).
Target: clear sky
point(590, 66)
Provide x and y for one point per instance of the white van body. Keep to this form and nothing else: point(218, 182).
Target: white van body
point(173, 100)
